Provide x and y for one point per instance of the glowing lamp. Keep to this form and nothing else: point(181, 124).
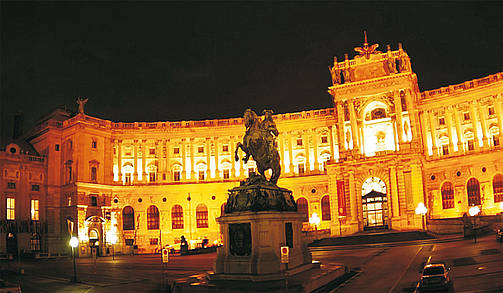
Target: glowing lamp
point(314, 220)
point(421, 209)
point(474, 211)
point(74, 242)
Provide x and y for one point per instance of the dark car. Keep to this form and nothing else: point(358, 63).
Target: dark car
point(499, 234)
point(435, 277)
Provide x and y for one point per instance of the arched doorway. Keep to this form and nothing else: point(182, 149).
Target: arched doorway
point(374, 204)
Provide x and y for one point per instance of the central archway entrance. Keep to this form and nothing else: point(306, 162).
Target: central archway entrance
point(374, 204)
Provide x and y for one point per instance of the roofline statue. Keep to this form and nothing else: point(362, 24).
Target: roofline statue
point(82, 102)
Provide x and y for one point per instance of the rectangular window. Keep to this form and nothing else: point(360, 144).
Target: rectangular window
point(34, 210)
point(470, 145)
point(94, 201)
point(35, 187)
point(151, 151)
point(176, 151)
point(301, 168)
point(490, 111)
point(225, 148)
point(56, 147)
point(151, 176)
point(11, 185)
point(251, 170)
point(164, 176)
point(299, 141)
point(445, 149)
point(441, 121)
point(466, 116)
point(11, 208)
point(154, 241)
point(324, 139)
point(127, 178)
point(201, 175)
point(94, 144)
point(226, 174)
point(200, 149)
point(69, 173)
point(496, 140)
point(129, 242)
point(176, 176)
point(70, 143)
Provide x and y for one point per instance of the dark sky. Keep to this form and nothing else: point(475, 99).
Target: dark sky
point(153, 61)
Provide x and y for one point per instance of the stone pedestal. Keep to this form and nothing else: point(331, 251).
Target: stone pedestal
point(252, 242)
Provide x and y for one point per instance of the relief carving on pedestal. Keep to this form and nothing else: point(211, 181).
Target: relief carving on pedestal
point(240, 239)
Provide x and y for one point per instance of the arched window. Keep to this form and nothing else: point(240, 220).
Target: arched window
point(447, 195)
point(202, 216)
point(303, 208)
point(325, 208)
point(177, 217)
point(473, 190)
point(128, 218)
point(498, 188)
point(152, 218)
point(93, 174)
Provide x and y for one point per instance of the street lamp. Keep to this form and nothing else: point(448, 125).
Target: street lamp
point(473, 211)
point(315, 220)
point(421, 210)
point(113, 240)
point(74, 242)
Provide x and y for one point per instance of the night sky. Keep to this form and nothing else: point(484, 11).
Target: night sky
point(153, 61)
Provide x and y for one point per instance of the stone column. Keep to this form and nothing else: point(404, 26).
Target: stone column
point(473, 117)
point(232, 147)
point(361, 137)
point(331, 141)
point(498, 101)
point(169, 175)
point(423, 120)
point(280, 138)
point(306, 149)
point(119, 158)
point(184, 159)
point(483, 123)
point(459, 135)
point(217, 160)
point(412, 114)
point(354, 130)
point(208, 158)
point(394, 192)
point(315, 149)
point(290, 152)
point(353, 196)
point(192, 160)
point(160, 161)
point(340, 128)
point(143, 161)
point(433, 130)
point(399, 119)
point(395, 132)
point(448, 118)
point(135, 164)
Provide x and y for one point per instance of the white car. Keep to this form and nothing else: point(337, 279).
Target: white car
point(435, 277)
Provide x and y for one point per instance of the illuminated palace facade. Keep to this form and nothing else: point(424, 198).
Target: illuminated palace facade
point(365, 163)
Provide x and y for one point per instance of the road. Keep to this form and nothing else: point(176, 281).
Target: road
point(476, 267)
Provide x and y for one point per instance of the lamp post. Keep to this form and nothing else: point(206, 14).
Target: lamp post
point(422, 210)
point(315, 220)
point(113, 240)
point(74, 242)
point(473, 211)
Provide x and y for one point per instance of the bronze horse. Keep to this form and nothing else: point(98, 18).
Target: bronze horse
point(256, 144)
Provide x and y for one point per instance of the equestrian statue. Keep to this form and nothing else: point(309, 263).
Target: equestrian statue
point(259, 142)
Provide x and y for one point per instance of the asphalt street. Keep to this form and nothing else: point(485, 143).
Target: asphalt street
point(475, 267)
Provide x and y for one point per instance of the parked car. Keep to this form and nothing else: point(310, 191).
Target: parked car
point(499, 234)
point(6, 287)
point(435, 277)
